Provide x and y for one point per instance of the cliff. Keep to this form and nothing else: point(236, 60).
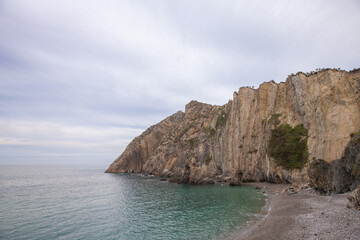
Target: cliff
point(229, 142)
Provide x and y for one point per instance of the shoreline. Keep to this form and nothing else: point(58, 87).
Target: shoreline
point(303, 215)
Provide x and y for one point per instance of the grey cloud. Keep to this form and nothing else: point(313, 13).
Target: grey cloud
point(130, 64)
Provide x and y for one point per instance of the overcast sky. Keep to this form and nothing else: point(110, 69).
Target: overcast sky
point(80, 79)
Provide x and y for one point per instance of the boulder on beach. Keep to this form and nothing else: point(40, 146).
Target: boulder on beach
point(234, 184)
point(354, 198)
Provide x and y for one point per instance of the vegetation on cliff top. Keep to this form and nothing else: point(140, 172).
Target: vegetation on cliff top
point(288, 146)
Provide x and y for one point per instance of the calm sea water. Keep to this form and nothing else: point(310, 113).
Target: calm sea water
point(55, 202)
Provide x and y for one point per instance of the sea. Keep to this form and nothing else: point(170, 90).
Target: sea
point(78, 202)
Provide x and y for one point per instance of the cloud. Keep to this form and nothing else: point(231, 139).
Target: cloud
point(91, 67)
point(38, 140)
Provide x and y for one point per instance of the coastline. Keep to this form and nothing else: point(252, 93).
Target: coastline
point(303, 215)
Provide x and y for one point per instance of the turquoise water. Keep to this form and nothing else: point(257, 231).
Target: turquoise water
point(40, 202)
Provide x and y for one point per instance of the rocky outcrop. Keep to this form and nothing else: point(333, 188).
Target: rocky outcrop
point(320, 176)
point(354, 198)
point(338, 176)
point(346, 170)
point(229, 142)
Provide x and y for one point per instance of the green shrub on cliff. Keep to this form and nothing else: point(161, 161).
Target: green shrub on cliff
point(221, 119)
point(275, 119)
point(208, 159)
point(288, 146)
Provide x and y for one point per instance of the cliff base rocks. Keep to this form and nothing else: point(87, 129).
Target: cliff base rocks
point(354, 199)
point(338, 176)
point(320, 177)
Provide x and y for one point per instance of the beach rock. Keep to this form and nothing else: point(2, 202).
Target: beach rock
point(174, 180)
point(207, 181)
point(320, 176)
point(291, 190)
point(354, 198)
point(226, 179)
point(219, 141)
point(304, 186)
point(234, 184)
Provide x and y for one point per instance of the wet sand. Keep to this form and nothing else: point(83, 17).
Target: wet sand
point(304, 215)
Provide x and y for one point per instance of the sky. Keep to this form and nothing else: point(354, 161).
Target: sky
point(80, 79)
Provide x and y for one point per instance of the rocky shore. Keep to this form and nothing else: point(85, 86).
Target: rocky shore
point(304, 215)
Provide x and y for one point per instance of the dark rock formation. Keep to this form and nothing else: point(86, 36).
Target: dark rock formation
point(338, 176)
point(354, 198)
point(185, 178)
point(234, 184)
point(320, 176)
point(346, 172)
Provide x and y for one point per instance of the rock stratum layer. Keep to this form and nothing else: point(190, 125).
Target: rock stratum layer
point(229, 142)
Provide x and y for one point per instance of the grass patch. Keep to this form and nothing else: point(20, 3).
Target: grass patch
point(288, 146)
point(208, 159)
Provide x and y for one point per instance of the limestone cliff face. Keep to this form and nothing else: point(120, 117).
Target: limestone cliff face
point(229, 142)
